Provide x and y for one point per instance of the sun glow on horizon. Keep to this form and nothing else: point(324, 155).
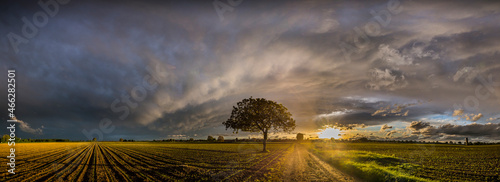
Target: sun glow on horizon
point(330, 133)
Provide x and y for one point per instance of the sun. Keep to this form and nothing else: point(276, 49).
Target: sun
point(330, 133)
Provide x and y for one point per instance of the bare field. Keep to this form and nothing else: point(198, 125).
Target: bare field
point(318, 161)
point(143, 161)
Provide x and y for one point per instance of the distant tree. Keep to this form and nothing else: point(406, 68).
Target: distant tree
point(363, 139)
point(121, 139)
point(210, 138)
point(5, 138)
point(220, 139)
point(191, 139)
point(94, 139)
point(300, 136)
point(260, 115)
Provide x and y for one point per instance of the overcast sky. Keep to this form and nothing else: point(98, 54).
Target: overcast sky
point(382, 69)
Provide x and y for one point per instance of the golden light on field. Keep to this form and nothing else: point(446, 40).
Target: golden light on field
point(330, 133)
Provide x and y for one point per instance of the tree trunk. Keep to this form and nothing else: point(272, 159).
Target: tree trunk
point(265, 141)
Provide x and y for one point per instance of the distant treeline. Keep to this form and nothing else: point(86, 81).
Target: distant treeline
point(5, 139)
point(211, 140)
point(362, 140)
point(220, 139)
point(124, 140)
point(43, 140)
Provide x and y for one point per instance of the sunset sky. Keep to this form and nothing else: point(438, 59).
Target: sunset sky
point(410, 70)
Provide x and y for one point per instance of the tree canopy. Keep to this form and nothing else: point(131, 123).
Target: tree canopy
point(260, 115)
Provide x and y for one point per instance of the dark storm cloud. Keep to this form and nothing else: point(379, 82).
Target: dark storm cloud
point(82, 61)
point(418, 125)
point(361, 111)
point(489, 131)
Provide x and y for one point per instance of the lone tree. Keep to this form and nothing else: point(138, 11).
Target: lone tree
point(260, 115)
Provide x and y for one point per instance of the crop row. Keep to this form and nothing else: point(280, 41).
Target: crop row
point(139, 161)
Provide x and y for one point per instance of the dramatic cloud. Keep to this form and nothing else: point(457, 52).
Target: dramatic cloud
point(396, 109)
point(345, 126)
point(418, 125)
point(386, 79)
point(393, 57)
point(380, 111)
point(27, 128)
point(468, 73)
point(492, 119)
point(474, 129)
point(476, 117)
point(385, 127)
point(334, 113)
point(389, 133)
point(158, 70)
point(489, 130)
point(470, 117)
point(458, 112)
